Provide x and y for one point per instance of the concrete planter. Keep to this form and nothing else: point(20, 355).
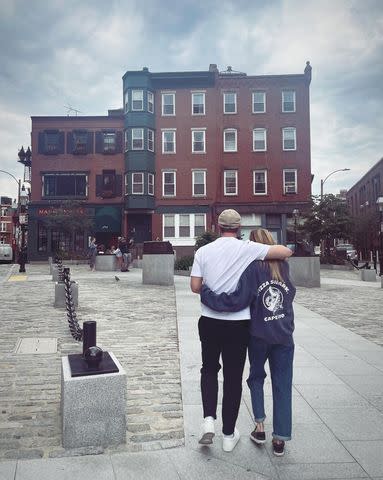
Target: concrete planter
point(106, 263)
point(367, 275)
point(305, 271)
point(158, 269)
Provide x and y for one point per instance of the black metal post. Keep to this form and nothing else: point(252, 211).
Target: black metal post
point(89, 335)
point(23, 251)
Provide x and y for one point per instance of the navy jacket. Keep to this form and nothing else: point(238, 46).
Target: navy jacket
point(271, 302)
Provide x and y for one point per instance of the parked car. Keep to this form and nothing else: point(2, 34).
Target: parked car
point(6, 253)
point(351, 253)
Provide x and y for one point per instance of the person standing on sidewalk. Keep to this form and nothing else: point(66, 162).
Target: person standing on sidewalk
point(267, 287)
point(92, 254)
point(220, 265)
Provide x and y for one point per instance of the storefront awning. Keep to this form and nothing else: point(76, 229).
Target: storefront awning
point(108, 219)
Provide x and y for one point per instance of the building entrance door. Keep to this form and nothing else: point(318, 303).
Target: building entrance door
point(140, 227)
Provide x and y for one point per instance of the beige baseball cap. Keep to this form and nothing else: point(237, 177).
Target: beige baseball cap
point(229, 219)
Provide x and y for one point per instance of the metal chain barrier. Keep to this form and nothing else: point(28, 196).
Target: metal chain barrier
point(59, 264)
point(74, 327)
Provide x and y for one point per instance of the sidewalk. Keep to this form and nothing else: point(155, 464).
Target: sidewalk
point(337, 399)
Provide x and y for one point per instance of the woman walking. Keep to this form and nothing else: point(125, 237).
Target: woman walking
point(266, 286)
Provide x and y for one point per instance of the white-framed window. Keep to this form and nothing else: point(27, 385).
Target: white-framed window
point(229, 102)
point(288, 101)
point(260, 182)
point(150, 184)
point(126, 140)
point(126, 101)
point(169, 226)
point(230, 140)
point(230, 182)
point(4, 211)
point(168, 104)
point(169, 141)
point(151, 140)
point(183, 228)
point(137, 100)
point(137, 138)
point(249, 222)
point(289, 138)
point(126, 184)
point(169, 183)
point(199, 183)
point(290, 180)
point(137, 183)
point(150, 102)
point(259, 102)
point(198, 141)
point(3, 227)
point(198, 103)
point(259, 140)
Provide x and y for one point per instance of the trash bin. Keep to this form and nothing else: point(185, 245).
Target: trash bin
point(158, 263)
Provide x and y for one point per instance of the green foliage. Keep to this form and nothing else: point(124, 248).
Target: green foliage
point(69, 216)
point(329, 219)
point(205, 238)
point(184, 263)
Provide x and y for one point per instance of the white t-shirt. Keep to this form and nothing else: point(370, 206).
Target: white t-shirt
point(221, 264)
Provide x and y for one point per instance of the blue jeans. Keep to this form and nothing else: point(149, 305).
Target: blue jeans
point(281, 369)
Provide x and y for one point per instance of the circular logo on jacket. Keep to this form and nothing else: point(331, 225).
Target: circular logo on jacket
point(273, 299)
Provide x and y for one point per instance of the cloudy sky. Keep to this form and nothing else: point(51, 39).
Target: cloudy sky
point(74, 52)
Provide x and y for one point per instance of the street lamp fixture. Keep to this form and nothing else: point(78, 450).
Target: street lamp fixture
point(296, 214)
point(322, 181)
point(379, 202)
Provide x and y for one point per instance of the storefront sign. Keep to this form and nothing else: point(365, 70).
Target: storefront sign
point(43, 212)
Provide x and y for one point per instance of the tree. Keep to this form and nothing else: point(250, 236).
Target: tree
point(205, 238)
point(328, 220)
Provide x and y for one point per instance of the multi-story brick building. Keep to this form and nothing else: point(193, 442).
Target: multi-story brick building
point(361, 199)
point(6, 221)
point(185, 146)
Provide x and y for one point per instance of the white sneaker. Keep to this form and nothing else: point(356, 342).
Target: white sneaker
point(229, 443)
point(207, 431)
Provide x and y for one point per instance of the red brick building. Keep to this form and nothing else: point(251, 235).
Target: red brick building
point(185, 146)
point(6, 221)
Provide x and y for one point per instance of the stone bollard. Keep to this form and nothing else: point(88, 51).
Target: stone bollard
point(158, 263)
point(93, 407)
point(55, 273)
point(366, 275)
point(60, 300)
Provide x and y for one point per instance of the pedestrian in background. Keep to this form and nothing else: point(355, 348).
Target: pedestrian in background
point(267, 287)
point(92, 254)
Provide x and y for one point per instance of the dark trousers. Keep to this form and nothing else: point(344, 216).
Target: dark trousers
point(229, 339)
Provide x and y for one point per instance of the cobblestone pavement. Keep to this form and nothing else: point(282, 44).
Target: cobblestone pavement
point(348, 302)
point(142, 335)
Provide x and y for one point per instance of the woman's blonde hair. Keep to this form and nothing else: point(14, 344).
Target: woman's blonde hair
point(261, 235)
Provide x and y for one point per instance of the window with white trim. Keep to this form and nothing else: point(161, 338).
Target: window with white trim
point(137, 183)
point(288, 101)
point(199, 183)
point(229, 102)
point(169, 226)
point(126, 101)
point(185, 226)
point(230, 182)
point(169, 183)
point(137, 138)
point(230, 140)
point(137, 100)
point(150, 140)
point(289, 139)
point(198, 141)
point(290, 181)
point(168, 141)
point(150, 102)
point(259, 140)
point(65, 184)
point(3, 227)
point(184, 229)
point(198, 103)
point(259, 102)
point(168, 104)
point(126, 184)
point(260, 182)
point(150, 184)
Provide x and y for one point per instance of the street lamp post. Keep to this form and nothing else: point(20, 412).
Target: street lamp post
point(296, 214)
point(22, 221)
point(379, 202)
point(322, 181)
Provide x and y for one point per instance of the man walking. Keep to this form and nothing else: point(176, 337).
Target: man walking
point(220, 265)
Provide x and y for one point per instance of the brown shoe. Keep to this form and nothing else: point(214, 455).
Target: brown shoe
point(258, 437)
point(278, 448)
